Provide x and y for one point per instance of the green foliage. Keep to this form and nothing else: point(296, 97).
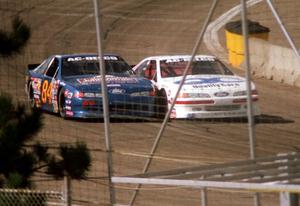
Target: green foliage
point(75, 161)
point(16, 128)
point(14, 41)
point(5, 109)
point(19, 162)
point(41, 152)
point(14, 180)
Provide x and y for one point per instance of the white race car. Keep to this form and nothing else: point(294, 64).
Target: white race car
point(210, 90)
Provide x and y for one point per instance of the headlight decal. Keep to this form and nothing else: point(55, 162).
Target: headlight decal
point(87, 95)
point(244, 93)
point(140, 94)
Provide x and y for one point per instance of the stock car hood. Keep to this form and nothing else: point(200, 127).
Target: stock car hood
point(207, 83)
point(118, 83)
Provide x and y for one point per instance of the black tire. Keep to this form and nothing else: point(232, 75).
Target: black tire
point(61, 104)
point(31, 97)
point(161, 104)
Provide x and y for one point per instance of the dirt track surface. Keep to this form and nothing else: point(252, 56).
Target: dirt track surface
point(136, 29)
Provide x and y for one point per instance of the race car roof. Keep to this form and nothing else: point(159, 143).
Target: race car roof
point(84, 54)
point(164, 57)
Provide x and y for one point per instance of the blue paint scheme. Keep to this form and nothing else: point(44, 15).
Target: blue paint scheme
point(128, 95)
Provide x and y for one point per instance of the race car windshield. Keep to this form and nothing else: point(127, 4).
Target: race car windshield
point(176, 68)
point(88, 67)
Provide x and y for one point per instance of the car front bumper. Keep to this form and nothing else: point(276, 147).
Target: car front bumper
point(212, 111)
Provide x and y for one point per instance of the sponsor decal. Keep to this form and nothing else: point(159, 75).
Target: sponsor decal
point(69, 113)
point(121, 80)
point(221, 94)
point(114, 85)
point(117, 91)
point(173, 113)
point(91, 58)
point(110, 58)
point(212, 81)
point(68, 108)
point(82, 58)
point(186, 59)
point(215, 82)
point(55, 90)
point(68, 101)
point(110, 80)
point(55, 106)
point(216, 85)
point(68, 94)
point(36, 85)
point(92, 80)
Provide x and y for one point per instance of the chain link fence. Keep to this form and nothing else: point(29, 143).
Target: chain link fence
point(136, 29)
point(22, 197)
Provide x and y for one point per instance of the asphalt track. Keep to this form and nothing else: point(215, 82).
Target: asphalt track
point(136, 29)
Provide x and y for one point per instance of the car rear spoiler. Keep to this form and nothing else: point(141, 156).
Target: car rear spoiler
point(32, 66)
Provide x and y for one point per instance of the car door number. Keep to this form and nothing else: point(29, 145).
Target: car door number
point(46, 93)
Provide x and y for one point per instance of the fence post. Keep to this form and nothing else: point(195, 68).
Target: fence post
point(203, 197)
point(286, 198)
point(67, 194)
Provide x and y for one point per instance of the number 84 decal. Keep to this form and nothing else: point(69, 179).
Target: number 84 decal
point(46, 92)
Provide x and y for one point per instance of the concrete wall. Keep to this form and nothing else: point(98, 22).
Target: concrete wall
point(274, 62)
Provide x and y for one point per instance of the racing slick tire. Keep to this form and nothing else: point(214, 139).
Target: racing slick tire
point(161, 104)
point(61, 104)
point(31, 97)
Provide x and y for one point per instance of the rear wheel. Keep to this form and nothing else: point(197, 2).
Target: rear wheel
point(31, 96)
point(61, 104)
point(161, 104)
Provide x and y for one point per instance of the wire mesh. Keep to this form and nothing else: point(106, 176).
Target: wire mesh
point(11, 197)
point(136, 29)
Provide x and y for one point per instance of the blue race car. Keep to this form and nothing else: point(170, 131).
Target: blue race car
point(70, 85)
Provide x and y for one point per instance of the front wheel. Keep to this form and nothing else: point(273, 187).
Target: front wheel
point(161, 104)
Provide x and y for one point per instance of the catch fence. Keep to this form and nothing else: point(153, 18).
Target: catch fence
point(136, 29)
point(23, 197)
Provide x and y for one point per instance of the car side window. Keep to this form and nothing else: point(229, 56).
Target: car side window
point(43, 66)
point(147, 69)
point(52, 68)
point(150, 71)
point(140, 70)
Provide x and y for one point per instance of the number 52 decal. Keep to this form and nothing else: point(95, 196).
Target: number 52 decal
point(46, 92)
